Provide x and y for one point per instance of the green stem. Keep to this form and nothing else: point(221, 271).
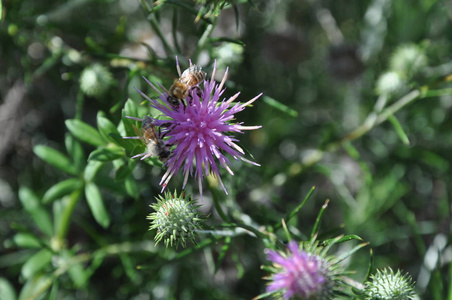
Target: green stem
point(80, 101)
point(66, 217)
point(156, 26)
point(218, 208)
point(204, 38)
point(371, 122)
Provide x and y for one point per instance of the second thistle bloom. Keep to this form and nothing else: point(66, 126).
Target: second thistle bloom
point(200, 132)
point(298, 274)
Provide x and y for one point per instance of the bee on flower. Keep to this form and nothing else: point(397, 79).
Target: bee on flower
point(201, 134)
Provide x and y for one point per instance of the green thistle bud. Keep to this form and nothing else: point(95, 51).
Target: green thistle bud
point(95, 80)
point(386, 285)
point(175, 218)
point(389, 83)
point(408, 60)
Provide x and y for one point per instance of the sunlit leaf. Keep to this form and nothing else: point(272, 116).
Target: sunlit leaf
point(36, 263)
point(55, 158)
point(35, 287)
point(85, 133)
point(106, 127)
point(96, 205)
point(61, 189)
point(6, 288)
point(91, 169)
point(26, 240)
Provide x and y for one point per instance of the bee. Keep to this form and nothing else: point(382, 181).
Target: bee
point(153, 139)
point(191, 77)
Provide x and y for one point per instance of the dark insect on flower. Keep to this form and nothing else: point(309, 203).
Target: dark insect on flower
point(200, 133)
point(190, 78)
point(153, 139)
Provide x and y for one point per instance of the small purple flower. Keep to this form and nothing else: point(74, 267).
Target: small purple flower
point(298, 274)
point(200, 131)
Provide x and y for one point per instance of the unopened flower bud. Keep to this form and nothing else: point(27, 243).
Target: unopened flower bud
point(386, 285)
point(95, 80)
point(175, 218)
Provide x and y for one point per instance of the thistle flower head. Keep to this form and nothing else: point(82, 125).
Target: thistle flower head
point(95, 80)
point(304, 272)
point(386, 285)
point(200, 131)
point(175, 218)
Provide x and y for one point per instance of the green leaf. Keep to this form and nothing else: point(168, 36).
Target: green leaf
point(279, 106)
point(131, 108)
point(91, 169)
point(128, 144)
point(36, 263)
point(75, 150)
point(399, 129)
point(228, 40)
point(106, 154)
point(61, 189)
point(96, 205)
point(35, 287)
point(6, 289)
point(39, 215)
point(132, 187)
point(77, 272)
point(123, 170)
point(85, 133)
point(106, 127)
point(296, 209)
point(55, 158)
point(222, 255)
point(26, 240)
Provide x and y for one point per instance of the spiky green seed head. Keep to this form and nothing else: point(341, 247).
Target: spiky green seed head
point(176, 219)
point(408, 60)
point(95, 80)
point(386, 285)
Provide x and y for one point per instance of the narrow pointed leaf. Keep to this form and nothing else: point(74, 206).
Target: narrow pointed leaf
point(37, 212)
point(26, 240)
point(399, 130)
point(61, 189)
point(36, 263)
point(6, 288)
point(222, 254)
point(55, 158)
point(96, 205)
point(106, 127)
point(85, 133)
point(35, 287)
point(75, 151)
point(279, 106)
point(91, 169)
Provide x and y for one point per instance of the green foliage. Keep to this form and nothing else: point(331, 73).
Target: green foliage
point(334, 173)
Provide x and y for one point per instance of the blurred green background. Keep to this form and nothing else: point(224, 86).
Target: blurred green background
point(321, 67)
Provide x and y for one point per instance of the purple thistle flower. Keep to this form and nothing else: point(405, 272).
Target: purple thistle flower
point(297, 274)
point(200, 131)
